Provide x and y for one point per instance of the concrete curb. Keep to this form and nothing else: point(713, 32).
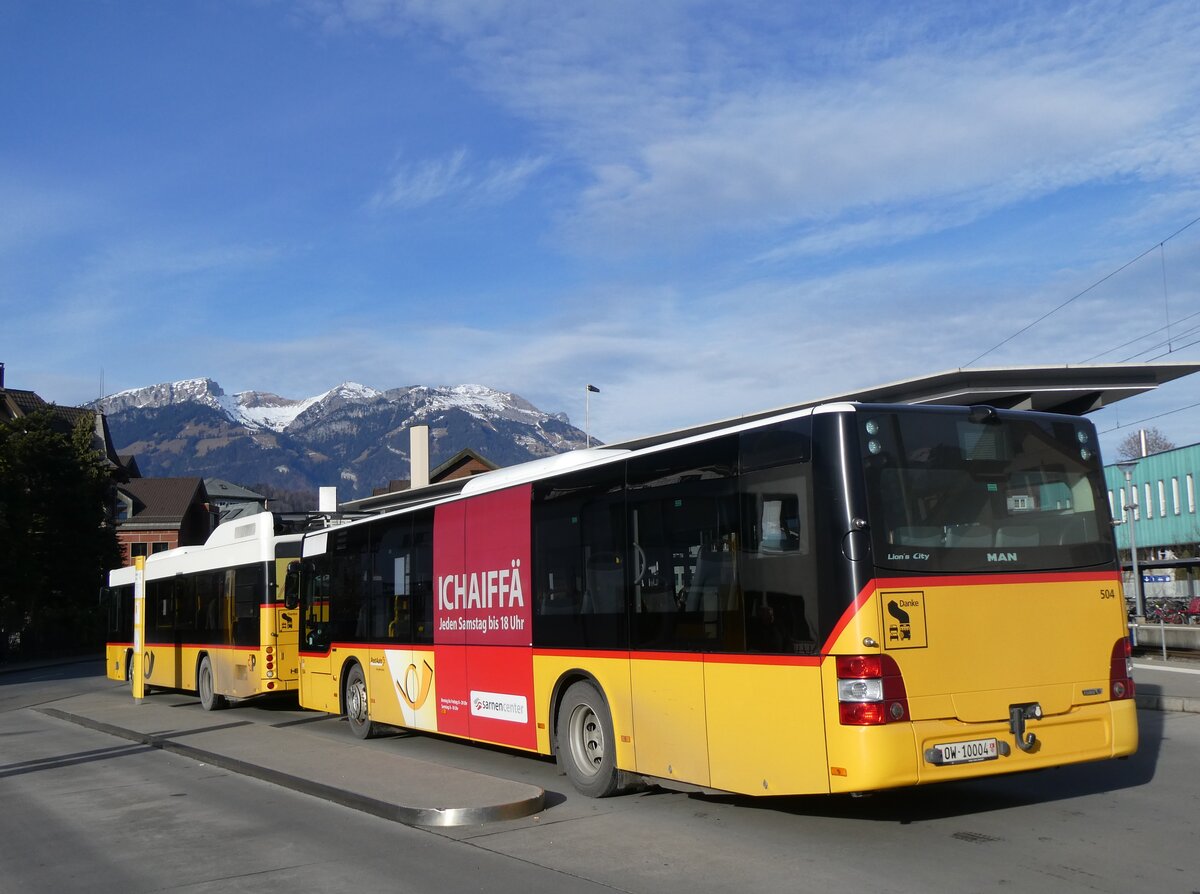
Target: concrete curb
point(1176, 703)
point(409, 816)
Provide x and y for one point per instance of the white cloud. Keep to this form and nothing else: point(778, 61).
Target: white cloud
point(689, 122)
point(423, 183)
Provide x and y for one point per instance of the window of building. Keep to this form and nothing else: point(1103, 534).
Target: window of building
point(1149, 501)
point(137, 549)
point(1175, 495)
point(159, 546)
point(1162, 499)
point(1191, 493)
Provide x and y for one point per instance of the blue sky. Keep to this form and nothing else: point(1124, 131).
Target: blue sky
point(701, 208)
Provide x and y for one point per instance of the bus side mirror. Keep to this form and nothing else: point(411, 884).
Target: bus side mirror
point(291, 586)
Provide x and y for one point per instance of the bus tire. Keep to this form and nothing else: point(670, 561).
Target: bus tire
point(357, 708)
point(129, 670)
point(209, 699)
point(585, 747)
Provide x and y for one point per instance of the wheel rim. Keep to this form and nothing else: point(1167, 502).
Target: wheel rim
point(356, 702)
point(586, 740)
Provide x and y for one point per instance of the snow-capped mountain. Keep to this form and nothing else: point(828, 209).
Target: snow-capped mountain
point(253, 409)
point(351, 435)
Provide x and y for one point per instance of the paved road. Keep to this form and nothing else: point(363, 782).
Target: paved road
point(84, 811)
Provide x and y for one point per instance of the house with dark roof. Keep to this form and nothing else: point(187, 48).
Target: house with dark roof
point(463, 464)
point(232, 501)
point(156, 514)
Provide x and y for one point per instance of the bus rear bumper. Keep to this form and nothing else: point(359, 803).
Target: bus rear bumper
point(1085, 733)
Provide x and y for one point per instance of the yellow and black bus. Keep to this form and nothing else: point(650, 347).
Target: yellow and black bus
point(843, 598)
point(216, 623)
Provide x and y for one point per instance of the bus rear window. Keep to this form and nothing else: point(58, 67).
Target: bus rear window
point(971, 491)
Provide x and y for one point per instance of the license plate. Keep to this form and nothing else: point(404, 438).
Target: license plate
point(969, 752)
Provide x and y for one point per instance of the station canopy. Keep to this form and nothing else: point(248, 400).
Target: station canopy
point(1076, 390)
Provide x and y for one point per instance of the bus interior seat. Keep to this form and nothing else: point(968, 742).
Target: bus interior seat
point(605, 593)
point(1017, 535)
point(712, 578)
point(919, 535)
point(562, 603)
point(969, 535)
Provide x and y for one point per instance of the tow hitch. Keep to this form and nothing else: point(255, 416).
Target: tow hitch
point(1017, 715)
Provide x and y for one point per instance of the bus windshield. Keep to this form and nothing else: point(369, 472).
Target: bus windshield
point(981, 490)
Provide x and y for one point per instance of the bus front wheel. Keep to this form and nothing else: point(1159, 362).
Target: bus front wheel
point(357, 711)
point(209, 699)
point(584, 742)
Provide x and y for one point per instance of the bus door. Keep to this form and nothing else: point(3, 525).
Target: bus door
point(249, 591)
point(221, 657)
point(317, 689)
point(682, 527)
point(281, 626)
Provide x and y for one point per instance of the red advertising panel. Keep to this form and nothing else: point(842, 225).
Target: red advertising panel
point(483, 601)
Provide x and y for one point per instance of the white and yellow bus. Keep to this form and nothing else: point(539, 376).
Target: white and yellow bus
point(216, 623)
point(839, 599)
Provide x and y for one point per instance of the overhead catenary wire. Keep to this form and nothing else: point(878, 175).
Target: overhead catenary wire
point(1138, 338)
point(1171, 348)
point(1080, 294)
point(1150, 418)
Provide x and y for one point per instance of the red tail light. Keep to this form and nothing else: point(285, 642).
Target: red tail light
point(870, 690)
point(1120, 670)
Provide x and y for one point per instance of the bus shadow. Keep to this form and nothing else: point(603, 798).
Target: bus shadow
point(64, 669)
point(976, 796)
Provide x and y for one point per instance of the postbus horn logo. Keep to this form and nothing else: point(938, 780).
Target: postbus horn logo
point(414, 679)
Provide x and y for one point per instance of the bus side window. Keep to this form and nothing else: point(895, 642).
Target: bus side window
point(391, 596)
point(291, 586)
point(579, 578)
point(249, 588)
point(421, 577)
point(314, 602)
point(778, 567)
point(684, 531)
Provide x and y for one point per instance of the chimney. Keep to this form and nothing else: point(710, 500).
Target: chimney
point(418, 453)
point(1, 376)
point(327, 500)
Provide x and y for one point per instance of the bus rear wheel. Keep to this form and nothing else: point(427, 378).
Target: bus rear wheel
point(584, 742)
point(209, 699)
point(357, 711)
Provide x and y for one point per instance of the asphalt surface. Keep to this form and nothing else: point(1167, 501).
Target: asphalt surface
point(393, 786)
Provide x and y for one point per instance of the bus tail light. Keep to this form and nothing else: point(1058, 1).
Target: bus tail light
point(1120, 670)
point(870, 690)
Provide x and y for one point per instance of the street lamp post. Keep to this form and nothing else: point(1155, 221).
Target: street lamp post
point(1127, 467)
point(587, 413)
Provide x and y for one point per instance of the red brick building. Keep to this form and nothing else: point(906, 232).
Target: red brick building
point(156, 514)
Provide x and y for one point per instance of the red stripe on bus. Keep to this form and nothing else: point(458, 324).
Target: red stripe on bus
point(851, 610)
point(205, 647)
